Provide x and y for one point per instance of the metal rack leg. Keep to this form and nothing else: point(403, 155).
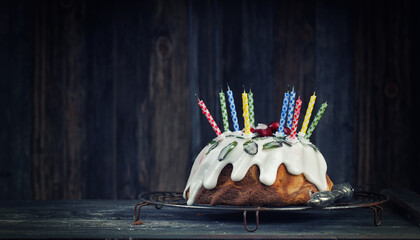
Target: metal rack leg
point(257, 222)
point(377, 209)
point(136, 215)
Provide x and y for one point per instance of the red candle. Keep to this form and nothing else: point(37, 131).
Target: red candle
point(296, 118)
point(209, 117)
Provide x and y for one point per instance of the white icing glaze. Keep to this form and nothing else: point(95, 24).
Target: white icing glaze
point(298, 158)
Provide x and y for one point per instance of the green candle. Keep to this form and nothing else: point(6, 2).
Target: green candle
point(316, 120)
point(224, 111)
point(251, 108)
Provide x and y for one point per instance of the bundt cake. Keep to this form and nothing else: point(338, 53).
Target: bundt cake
point(260, 171)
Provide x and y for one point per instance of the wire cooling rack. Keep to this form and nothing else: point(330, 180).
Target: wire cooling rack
point(175, 199)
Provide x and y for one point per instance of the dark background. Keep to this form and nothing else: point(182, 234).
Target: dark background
point(97, 97)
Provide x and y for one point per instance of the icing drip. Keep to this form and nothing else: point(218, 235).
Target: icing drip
point(298, 158)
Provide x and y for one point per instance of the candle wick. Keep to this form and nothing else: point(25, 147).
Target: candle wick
point(228, 87)
point(197, 96)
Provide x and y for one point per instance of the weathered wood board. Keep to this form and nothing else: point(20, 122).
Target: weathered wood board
point(113, 219)
point(15, 97)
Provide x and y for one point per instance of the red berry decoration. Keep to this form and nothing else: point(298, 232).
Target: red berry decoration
point(252, 129)
point(264, 132)
point(274, 126)
point(287, 131)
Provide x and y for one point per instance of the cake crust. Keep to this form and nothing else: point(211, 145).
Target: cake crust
point(287, 189)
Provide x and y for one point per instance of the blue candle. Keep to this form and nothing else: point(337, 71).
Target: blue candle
point(233, 110)
point(283, 114)
point(291, 108)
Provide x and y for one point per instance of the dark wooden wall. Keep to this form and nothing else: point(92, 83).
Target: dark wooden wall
point(98, 98)
point(386, 83)
point(15, 100)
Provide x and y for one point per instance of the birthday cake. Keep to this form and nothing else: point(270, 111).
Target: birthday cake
point(266, 165)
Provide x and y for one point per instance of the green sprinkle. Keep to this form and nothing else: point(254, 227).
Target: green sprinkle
point(251, 147)
point(273, 144)
point(214, 144)
point(280, 138)
point(226, 150)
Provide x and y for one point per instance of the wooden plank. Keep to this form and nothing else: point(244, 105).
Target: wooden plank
point(383, 94)
point(231, 34)
point(406, 202)
point(101, 180)
point(15, 81)
point(132, 37)
point(334, 84)
point(204, 69)
point(169, 96)
point(59, 130)
point(257, 57)
point(113, 218)
point(40, 143)
point(294, 49)
point(414, 165)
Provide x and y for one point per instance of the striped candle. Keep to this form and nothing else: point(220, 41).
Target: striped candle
point(296, 118)
point(308, 114)
point(224, 111)
point(209, 117)
point(316, 120)
point(283, 114)
point(246, 113)
point(251, 108)
point(233, 110)
point(291, 106)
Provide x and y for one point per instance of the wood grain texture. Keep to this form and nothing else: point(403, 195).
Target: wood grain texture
point(334, 84)
point(414, 36)
point(204, 70)
point(15, 82)
point(59, 150)
point(101, 105)
point(257, 56)
point(168, 96)
point(132, 125)
point(383, 94)
point(98, 219)
point(232, 28)
point(113, 122)
point(294, 49)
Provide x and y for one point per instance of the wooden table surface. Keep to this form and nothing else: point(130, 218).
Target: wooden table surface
point(113, 219)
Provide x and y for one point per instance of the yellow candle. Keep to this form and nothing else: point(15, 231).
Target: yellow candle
point(308, 114)
point(246, 113)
